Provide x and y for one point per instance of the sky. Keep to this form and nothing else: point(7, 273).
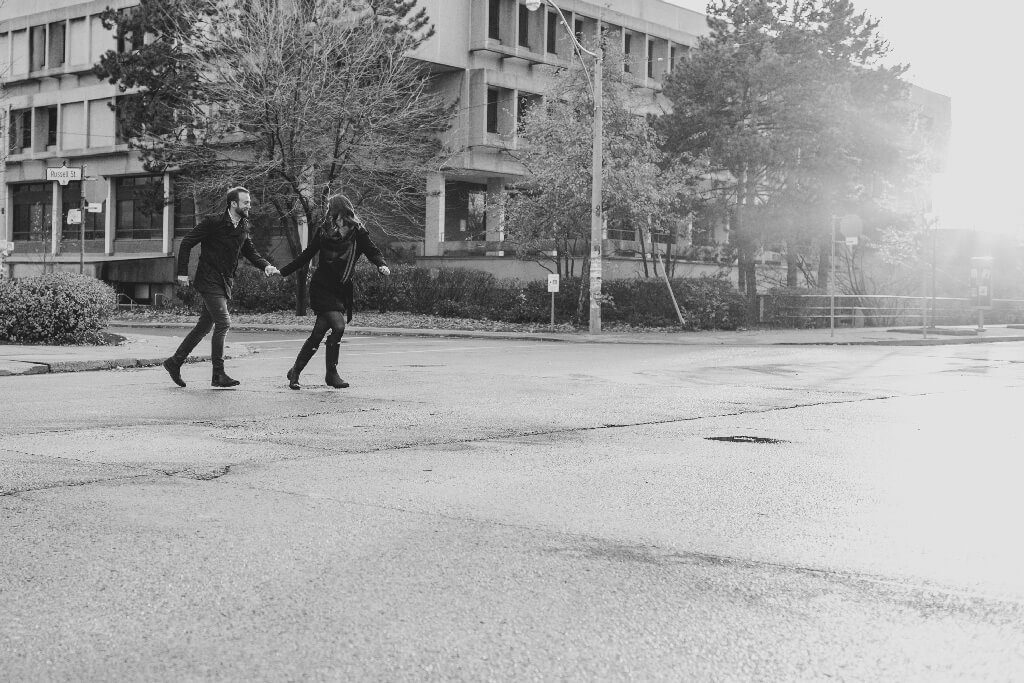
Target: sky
point(970, 54)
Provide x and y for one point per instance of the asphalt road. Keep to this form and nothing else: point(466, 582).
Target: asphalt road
point(504, 510)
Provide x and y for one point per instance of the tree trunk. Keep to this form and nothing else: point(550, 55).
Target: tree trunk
point(792, 267)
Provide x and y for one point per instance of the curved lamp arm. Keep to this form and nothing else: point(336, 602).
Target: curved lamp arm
point(534, 5)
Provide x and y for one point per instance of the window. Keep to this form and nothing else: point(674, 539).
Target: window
point(184, 213)
point(123, 129)
point(617, 230)
point(140, 207)
point(126, 39)
point(627, 47)
point(37, 48)
point(650, 59)
point(672, 58)
point(465, 211)
point(56, 54)
point(552, 38)
point(524, 104)
point(494, 19)
point(71, 198)
point(524, 26)
point(493, 97)
point(32, 211)
point(51, 125)
point(20, 131)
point(578, 29)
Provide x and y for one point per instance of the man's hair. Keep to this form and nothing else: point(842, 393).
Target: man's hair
point(233, 194)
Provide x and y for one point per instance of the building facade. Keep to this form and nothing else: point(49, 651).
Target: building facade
point(493, 57)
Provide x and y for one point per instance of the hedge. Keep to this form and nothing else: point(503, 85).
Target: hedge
point(706, 302)
point(57, 308)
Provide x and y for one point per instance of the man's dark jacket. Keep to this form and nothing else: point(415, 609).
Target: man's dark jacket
point(222, 244)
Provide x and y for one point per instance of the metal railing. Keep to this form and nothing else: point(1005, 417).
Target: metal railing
point(881, 310)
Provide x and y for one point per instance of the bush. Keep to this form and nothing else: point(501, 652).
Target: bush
point(254, 291)
point(57, 308)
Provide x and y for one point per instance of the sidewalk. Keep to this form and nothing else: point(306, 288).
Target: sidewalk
point(142, 350)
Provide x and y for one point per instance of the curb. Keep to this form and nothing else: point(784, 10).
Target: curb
point(940, 338)
point(40, 368)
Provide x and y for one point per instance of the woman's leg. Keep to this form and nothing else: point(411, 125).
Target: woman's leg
point(307, 351)
point(337, 322)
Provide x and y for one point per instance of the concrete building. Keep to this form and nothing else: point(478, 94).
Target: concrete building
point(493, 56)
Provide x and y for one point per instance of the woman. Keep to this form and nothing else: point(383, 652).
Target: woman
point(340, 243)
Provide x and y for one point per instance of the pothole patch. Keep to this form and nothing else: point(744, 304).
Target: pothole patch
point(745, 439)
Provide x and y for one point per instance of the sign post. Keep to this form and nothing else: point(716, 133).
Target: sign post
point(553, 288)
point(64, 174)
point(981, 287)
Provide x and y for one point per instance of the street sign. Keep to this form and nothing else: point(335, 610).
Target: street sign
point(852, 241)
point(64, 174)
point(851, 225)
point(74, 216)
point(981, 282)
point(553, 282)
point(94, 207)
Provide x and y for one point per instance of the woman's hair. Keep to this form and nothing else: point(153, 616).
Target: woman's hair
point(339, 206)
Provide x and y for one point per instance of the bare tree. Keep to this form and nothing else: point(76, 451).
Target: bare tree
point(294, 100)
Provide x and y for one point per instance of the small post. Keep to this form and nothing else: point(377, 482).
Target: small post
point(832, 283)
point(981, 320)
point(552, 311)
point(553, 286)
point(81, 224)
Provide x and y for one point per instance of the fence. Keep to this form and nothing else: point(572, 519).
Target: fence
point(879, 310)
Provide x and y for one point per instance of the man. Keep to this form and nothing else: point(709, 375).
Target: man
point(224, 238)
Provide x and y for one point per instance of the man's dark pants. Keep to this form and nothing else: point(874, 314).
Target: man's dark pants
point(215, 316)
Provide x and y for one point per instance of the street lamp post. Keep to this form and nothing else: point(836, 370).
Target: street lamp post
point(596, 218)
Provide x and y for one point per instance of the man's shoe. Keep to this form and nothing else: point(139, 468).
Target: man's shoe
point(174, 370)
point(293, 379)
point(221, 380)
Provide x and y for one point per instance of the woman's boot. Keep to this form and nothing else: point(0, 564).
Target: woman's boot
point(332, 378)
point(305, 353)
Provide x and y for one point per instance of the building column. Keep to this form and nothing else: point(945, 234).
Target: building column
point(434, 234)
point(55, 219)
point(168, 244)
point(495, 215)
point(108, 227)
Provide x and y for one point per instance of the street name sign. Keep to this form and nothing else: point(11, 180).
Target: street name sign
point(94, 207)
point(64, 174)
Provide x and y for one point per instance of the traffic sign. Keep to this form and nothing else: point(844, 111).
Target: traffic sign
point(94, 207)
point(64, 174)
point(553, 282)
point(74, 216)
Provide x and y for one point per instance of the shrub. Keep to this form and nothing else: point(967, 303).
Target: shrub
point(57, 308)
point(254, 291)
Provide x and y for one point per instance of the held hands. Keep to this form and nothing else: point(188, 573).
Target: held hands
point(183, 280)
point(384, 270)
point(271, 270)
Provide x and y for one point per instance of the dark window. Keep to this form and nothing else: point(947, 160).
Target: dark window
point(552, 33)
point(628, 45)
point(32, 211)
point(617, 230)
point(494, 19)
point(465, 212)
point(650, 59)
point(493, 97)
point(57, 34)
point(123, 126)
point(37, 48)
point(184, 213)
point(579, 29)
point(71, 198)
point(140, 207)
point(672, 58)
point(20, 130)
point(51, 126)
point(525, 103)
point(524, 26)
point(126, 41)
